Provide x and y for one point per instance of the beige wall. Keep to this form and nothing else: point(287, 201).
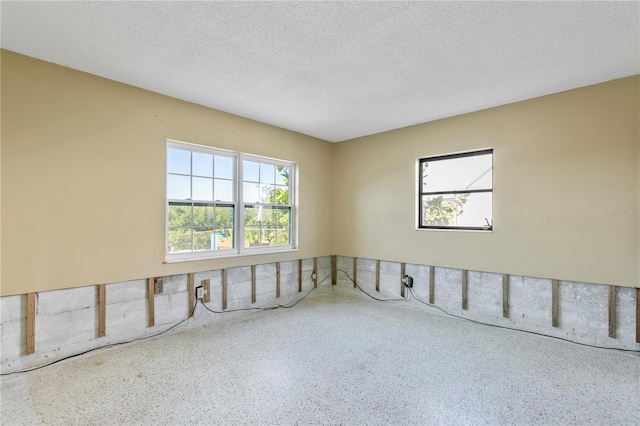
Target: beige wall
point(83, 177)
point(560, 162)
point(82, 183)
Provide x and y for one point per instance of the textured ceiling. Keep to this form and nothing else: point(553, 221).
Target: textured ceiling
point(336, 70)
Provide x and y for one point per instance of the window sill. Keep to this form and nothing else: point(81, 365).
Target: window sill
point(482, 231)
point(197, 257)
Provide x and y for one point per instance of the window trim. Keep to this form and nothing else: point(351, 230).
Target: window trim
point(238, 205)
point(420, 192)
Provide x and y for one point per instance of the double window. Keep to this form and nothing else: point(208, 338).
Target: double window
point(456, 191)
point(221, 202)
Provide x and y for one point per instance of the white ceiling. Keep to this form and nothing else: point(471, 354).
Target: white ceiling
point(336, 70)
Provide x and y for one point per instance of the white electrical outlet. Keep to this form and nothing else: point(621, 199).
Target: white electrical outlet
point(199, 292)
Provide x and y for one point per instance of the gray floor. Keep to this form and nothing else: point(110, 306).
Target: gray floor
point(333, 359)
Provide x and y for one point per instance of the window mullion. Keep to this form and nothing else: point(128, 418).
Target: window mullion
point(240, 204)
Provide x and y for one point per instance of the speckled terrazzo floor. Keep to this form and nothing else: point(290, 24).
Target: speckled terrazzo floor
point(333, 359)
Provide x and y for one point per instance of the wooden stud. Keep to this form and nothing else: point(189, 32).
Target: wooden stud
point(432, 284)
point(612, 311)
point(31, 323)
point(299, 275)
point(637, 315)
point(355, 272)
point(192, 293)
point(224, 289)
point(315, 272)
point(378, 275)
point(277, 279)
point(554, 303)
point(402, 274)
point(334, 269)
point(102, 310)
point(253, 283)
point(465, 290)
point(151, 291)
point(206, 285)
point(505, 295)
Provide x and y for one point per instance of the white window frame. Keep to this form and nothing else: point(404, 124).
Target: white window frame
point(238, 205)
point(452, 190)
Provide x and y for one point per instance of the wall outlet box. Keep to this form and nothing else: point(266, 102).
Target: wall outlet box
point(199, 292)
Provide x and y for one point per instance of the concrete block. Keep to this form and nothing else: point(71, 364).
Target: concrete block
point(346, 264)
point(12, 339)
point(238, 274)
point(176, 284)
point(288, 267)
point(66, 327)
point(307, 265)
point(126, 291)
point(448, 288)
point(390, 285)
point(56, 301)
point(391, 268)
point(324, 262)
point(485, 293)
point(171, 308)
point(266, 272)
point(537, 301)
point(13, 308)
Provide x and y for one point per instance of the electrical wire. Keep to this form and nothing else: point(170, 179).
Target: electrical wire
point(410, 291)
point(195, 305)
point(373, 297)
point(164, 331)
point(267, 308)
point(515, 329)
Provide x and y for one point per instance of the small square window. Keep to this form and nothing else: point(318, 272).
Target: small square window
point(456, 191)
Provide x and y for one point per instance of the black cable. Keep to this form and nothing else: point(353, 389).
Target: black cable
point(105, 346)
point(162, 332)
point(268, 308)
point(373, 297)
point(515, 329)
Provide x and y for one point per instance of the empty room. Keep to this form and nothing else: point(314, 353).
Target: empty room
point(320, 213)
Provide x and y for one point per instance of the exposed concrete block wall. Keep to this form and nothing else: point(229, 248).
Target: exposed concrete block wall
point(583, 307)
point(67, 320)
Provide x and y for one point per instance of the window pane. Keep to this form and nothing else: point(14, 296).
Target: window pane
point(269, 237)
point(178, 161)
point(224, 217)
point(251, 237)
point(282, 175)
point(251, 192)
point(202, 189)
point(250, 171)
point(202, 164)
point(203, 216)
point(266, 216)
point(178, 187)
point(468, 210)
point(251, 217)
point(203, 239)
point(179, 215)
point(283, 217)
point(283, 237)
point(267, 173)
point(224, 167)
point(458, 174)
point(267, 194)
point(179, 240)
point(223, 239)
point(281, 195)
point(223, 190)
